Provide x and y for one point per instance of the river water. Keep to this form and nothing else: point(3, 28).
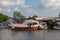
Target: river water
point(6, 34)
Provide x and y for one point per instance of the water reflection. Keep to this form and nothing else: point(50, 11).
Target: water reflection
point(29, 35)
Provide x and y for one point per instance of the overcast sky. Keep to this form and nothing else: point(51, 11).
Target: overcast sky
point(46, 8)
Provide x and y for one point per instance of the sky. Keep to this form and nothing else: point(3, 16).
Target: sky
point(41, 8)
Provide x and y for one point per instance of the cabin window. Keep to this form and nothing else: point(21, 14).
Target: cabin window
point(34, 23)
point(29, 24)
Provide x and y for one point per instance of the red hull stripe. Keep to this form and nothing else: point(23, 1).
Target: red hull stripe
point(27, 28)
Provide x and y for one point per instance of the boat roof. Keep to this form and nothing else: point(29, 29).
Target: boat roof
point(30, 21)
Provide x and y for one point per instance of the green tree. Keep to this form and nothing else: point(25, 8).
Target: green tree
point(3, 17)
point(29, 18)
point(34, 16)
point(18, 14)
point(50, 24)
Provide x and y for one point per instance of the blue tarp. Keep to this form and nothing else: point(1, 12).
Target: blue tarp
point(17, 18)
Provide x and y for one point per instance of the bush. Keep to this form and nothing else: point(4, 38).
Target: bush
point(50, 24)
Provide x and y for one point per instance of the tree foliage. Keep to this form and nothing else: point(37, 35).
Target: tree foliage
point(3, 17)
point(50, 24)
point(18, 14)
point(29, 18)
point(34, 16)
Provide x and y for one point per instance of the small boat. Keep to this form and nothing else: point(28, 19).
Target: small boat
point(27, 25)
point(1, 26)
point(56, 27)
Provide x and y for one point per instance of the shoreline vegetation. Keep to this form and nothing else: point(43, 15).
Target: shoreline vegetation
point(17, 16)
point(3, 17)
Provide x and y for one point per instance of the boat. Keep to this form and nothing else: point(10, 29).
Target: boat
point(26, 25)
point(1, 26)
point(57, 26)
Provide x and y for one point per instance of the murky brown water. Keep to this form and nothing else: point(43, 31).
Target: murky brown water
point(29, 35)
